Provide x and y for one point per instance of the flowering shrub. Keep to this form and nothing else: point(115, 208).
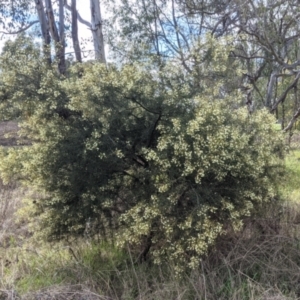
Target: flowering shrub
point(141, 158)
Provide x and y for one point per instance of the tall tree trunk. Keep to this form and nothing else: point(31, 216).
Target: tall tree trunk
point(51, 21)
point(96, 22)
point(44, 29)
point(75, 40)
point(59, 44)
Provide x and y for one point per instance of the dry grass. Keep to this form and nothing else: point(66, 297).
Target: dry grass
point(260, 263)
point(295, 140)
point(291, 182)
point(72, 292)
point(11, 194)
point(11, 197)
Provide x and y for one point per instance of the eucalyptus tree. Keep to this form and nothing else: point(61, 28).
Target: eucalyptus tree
point(273, 29)
point(266, 36)
point(52, 17)
point(152, 28)
point(160, 32)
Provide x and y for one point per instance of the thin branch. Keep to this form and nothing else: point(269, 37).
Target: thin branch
point(141, 105)
point(178, 49)
point(22, 29)
point(130, 175)
point(153, 130)
point(285, 93)
point(80, 19)
point(247, 57)
point(259, 93)
point(294, 118)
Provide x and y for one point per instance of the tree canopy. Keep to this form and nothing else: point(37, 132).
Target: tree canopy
point(264, 36)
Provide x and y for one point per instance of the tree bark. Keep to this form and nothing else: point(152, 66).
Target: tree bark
point(61, 45)
point(59, 41)
point(44, 29)
point(96, 22)
point(51, 21)
point(75, 40)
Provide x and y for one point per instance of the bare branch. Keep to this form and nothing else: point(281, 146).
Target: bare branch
point(22, 29)
point(247, 57)
point(285, 93)
point(178, 49)
point(177, 36)
point(80, 19)
point(292, 121)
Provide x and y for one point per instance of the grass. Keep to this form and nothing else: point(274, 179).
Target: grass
point(291, 182)
point(240, 268)
point(243, 265)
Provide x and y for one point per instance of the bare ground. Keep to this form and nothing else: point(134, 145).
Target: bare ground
point(9, 134)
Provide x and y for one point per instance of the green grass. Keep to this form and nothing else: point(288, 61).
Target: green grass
point(29, 270)
point(290, 184)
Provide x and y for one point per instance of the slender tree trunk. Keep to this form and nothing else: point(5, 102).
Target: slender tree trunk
point(61, 46)
point(59, 41)
point(75, 40)
point(96, 22)
point(51, 21)
point(44, 29)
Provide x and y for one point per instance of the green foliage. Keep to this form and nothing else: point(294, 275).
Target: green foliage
point(140, 156)
point(20, 67)
point(289, 186)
